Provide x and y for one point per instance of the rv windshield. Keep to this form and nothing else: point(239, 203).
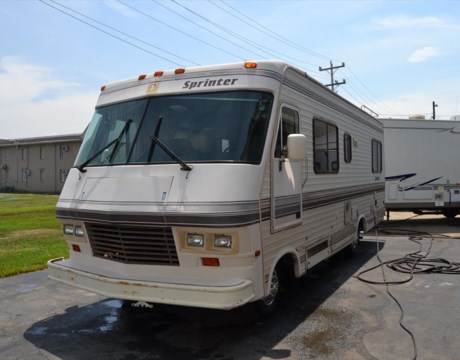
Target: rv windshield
point(206, 127)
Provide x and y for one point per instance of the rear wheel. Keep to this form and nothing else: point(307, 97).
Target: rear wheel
point(450, 213)
point(353, 247)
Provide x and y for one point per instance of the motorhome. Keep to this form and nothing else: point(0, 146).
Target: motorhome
point(422, 165)
point(216, 186)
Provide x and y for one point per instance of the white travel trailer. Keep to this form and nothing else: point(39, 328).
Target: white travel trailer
point(216, 186)
point(422, 166)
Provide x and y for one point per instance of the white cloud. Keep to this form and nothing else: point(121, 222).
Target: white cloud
point(19, 81)
point(33, 102)
point(120, 8)
point(396, 22)
point(423, 54)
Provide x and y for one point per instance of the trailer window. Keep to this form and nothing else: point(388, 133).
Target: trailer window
point(289, 125)
point(347, 155)
point(325, 147)
point(376, 156)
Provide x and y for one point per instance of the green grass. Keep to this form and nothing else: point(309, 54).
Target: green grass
point(30, 234)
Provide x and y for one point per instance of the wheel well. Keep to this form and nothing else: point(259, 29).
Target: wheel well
point(287, 267)
point(362, 224)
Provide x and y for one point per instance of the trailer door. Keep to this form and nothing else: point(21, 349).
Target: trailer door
point(286, 203)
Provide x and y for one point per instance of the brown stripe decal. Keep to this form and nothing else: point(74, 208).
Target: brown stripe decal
point(223, 215)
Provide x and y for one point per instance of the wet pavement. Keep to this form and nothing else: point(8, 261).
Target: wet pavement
point(332, 315)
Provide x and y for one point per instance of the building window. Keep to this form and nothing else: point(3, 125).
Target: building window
point(325, 147)
point(289, 125)
point(42, 152)
point(24, 152)
point(347, 148)
point(62, 150)
point(24, 174)
point(42, 175)
point(376, 156)
point(63, 174)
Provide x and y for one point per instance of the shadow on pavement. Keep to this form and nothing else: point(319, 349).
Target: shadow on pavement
point(106, 329)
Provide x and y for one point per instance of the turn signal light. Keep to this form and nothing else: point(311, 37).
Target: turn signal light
point(210, 261)
point(76, 248)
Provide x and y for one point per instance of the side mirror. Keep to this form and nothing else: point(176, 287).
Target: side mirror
point(297, 147)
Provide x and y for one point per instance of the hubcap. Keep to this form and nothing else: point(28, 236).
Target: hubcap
point(274, 289)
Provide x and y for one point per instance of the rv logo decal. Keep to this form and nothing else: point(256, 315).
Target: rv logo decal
point(403, 177)
point(209, 83)
point(152, 88)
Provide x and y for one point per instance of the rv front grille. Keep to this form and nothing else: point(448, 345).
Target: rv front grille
point(133, 244)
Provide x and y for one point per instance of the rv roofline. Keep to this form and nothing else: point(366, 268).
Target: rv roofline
point(278, 65)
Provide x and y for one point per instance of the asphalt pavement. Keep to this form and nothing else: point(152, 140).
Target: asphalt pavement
point(332, 315)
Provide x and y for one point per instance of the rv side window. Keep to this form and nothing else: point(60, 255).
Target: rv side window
point(376, 156)
point(325, 147)
point(347, 148)
point(289, 125)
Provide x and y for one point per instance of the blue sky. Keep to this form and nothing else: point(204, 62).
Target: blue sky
point(400, 56)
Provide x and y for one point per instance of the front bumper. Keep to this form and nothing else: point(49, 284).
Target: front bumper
point(216, 296)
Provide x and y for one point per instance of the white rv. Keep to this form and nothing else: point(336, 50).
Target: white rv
point(216, 186)
point(422, 165)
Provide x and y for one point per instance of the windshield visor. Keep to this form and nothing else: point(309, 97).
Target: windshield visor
point(205, 127)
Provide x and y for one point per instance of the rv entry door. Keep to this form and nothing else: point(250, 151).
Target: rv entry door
point(286, 200)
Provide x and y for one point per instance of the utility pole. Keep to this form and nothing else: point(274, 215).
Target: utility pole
point(332, 69)
point(434, 110)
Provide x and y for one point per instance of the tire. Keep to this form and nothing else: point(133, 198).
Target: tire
point(268, 305)
point(353, 247)
point(450, 213)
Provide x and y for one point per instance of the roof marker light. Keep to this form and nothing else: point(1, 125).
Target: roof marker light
point(158, 73)
point(142, 77)
point(250, 65)
point(103, 87)
point(179, 71)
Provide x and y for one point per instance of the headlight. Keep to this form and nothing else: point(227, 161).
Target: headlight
point(223, 241)
point(195, 240)
point(79, 231)
point(68, 229)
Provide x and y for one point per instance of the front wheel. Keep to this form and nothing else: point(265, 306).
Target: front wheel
point(269, 304)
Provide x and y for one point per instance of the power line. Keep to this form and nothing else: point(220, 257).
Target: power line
point(263, 32)
point(178, 30)
point(269, 51)
point(267, 31)
point(123, 33)
point(224, 29)
point(110, 34)
point(274, 34)
point(202, 27)
point(370, 92)
point(239, 37)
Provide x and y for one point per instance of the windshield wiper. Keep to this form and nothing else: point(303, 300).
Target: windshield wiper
point(183, 165)
point(116, 141)
point(166, 149)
